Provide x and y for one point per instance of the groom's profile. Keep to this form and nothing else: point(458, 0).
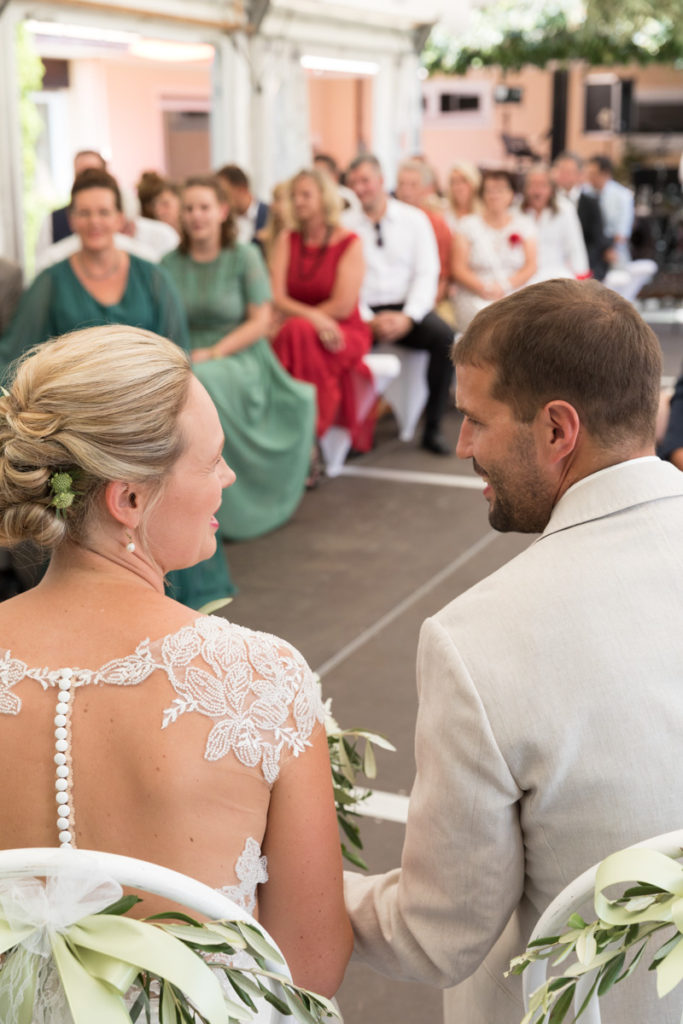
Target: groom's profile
point(550, 695)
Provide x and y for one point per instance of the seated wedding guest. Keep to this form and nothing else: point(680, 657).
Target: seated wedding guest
point(568, 176)
point(267, 416)
point(494, 251)
point(103, 284)
point(249, 212)
point(561, 250)
point(99, 283)
point(159, 199)
point(328, 165)
point(464, 182)
point(412, 187)
point(11, 286)
point(617, 205)
point(625, 275)
point(189, 741)
point(279, 219)
point(550, 699)
point(317, 271)
point(144, 237)
point(399, 286)
point(57, 225)
point(670, 425)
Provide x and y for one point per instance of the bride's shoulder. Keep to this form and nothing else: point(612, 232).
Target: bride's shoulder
point(219, 641)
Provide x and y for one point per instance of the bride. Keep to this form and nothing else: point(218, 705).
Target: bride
point(179, 738)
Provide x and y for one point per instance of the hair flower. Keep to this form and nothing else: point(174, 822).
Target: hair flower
point(515, 239)
point(62, 494)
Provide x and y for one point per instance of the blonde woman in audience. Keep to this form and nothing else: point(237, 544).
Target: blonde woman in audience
point(267, 416)
point(191, 742)
point(494, 252)
point(279, 219)
point(464, 182)
point(317, 271)
point(561, 248)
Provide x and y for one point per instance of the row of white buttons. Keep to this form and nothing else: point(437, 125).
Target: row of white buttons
point(63, 759)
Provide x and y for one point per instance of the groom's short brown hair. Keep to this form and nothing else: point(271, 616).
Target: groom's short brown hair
point(576, 341)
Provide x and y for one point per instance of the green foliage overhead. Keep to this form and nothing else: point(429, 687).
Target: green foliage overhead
point(613, 32)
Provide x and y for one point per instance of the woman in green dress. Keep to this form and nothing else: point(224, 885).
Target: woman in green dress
point(101, 284)
point(268, 417)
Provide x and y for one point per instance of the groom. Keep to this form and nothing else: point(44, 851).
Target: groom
point(551, 693)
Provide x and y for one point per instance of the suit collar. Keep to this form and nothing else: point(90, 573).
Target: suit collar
point(614, 489)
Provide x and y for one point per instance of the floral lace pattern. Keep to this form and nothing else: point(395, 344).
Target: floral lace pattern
point(257, 688)
point(252, 685)
point(251, 870)
point(258, 691)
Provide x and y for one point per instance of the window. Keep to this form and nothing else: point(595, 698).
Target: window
point(658, 117)
point(451, 102)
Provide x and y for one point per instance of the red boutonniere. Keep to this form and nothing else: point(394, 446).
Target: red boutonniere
point(515, 239)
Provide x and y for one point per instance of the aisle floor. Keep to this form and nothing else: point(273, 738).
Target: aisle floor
point(349, 581)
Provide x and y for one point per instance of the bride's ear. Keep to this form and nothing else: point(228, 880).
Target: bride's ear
point(123, 502)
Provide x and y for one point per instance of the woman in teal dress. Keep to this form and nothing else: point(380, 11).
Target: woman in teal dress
point(101, 284)
point(268, 417)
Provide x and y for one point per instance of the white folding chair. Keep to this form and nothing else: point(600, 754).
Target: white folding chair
point(142, 875)
point(407, 394)
point(629, 279)
point(336, 441)
point(554, 919)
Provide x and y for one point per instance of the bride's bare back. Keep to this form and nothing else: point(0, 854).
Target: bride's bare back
point(129, 723)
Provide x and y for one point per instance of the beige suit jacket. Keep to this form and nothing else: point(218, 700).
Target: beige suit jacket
point(549, 732)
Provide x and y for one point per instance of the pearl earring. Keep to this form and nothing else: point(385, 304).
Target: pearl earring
point(130, 546)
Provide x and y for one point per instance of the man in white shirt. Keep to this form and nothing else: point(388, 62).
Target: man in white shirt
point(550, 698)
point(400, 284)
point(616, 205)
point(250, 213)
point(567, 172)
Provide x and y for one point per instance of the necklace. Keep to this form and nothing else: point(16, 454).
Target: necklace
point(109, 272)
point(314, 257)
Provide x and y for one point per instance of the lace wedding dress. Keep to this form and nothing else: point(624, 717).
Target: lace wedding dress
point(261, 704)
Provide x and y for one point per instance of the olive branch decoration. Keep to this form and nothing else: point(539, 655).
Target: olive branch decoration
point(610, 948)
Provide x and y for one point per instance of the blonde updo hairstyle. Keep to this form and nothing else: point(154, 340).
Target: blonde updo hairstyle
point(100, 404)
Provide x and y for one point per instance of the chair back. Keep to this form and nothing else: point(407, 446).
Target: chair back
point(554, 919)
point(195, 896)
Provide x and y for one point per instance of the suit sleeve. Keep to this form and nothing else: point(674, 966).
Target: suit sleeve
point(597, 242)
point(435, 918)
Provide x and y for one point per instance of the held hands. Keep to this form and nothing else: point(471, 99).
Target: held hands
point(328, 331)
point(492, 290)
point(391, 325)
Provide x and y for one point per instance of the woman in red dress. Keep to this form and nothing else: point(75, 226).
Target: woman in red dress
point(317, 270)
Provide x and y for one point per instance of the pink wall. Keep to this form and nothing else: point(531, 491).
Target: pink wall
point(135, 93)
point(340, 115)
point(464, 135)
point(477, 137)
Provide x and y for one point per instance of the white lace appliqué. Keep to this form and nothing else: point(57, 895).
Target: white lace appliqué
point(258, 689)
point(259, 692)
point(251, 870)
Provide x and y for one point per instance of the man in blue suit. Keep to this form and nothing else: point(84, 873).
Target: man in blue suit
point(250, 213)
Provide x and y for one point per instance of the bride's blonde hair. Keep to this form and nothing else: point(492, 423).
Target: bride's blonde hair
point(100, 404)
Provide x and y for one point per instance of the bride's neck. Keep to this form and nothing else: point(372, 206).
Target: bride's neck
point(99, 561)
